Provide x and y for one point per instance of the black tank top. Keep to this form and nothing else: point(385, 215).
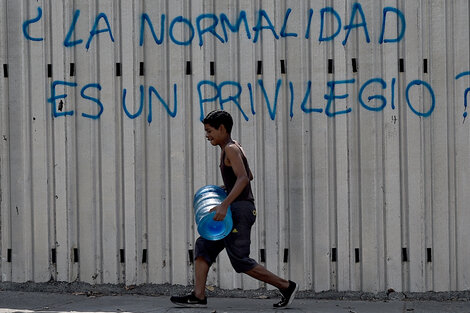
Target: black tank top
point(229, 178)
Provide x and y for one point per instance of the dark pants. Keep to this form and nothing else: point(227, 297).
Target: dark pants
point(237, 243)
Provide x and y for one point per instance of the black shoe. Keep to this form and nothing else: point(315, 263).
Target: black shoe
point(287, 295)
point(189, 301)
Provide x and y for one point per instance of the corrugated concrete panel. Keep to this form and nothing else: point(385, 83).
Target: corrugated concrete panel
point(353, 115)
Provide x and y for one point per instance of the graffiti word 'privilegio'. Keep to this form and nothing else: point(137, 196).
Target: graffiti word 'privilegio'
point(230, 92)
point(182, 31)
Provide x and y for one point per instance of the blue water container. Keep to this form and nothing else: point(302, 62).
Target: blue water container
point(205, 199)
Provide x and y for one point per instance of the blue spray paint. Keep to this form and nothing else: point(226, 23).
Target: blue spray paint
point(225, 22)
point(94, 31)
point(67, 42)
point(146, 19)
point(152, 90)
point(272, 110)
point(96, 100)
point(221, 25)
point(393, 93)
point(141, 107)
point(465, 114)
point(291, 106)
point(309, 23)
point(205, 100)
point(418, 82)
point(235, 99)
point(331, 97)
point(259, 26)
point(284, 26)
point(356, 7)
point(402, 29)
point(28, 22)
point(465, 103)
point(55, 97)
point(185, 21)
point(252, 105)
point(375, 97)
point(236, 95)
point(330, 10)
point(303, 105)
point(210, 28)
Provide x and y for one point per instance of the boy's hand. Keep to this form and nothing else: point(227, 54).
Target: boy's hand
point(220, 212)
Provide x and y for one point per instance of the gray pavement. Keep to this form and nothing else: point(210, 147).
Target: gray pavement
point(21, 301)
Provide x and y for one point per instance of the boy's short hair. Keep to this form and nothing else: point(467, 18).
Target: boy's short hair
point(217, 118)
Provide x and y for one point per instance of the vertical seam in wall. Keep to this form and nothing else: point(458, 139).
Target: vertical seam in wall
point(451, 135)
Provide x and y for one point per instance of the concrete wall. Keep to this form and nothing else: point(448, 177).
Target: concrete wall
point(353, 115)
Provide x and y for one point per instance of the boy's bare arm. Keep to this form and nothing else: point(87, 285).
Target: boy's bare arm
point(250, 174)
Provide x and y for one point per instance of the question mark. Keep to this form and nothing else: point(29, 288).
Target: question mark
point(465, 113)
point(465, 104)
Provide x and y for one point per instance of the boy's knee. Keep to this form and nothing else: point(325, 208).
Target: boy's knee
point(202, 262)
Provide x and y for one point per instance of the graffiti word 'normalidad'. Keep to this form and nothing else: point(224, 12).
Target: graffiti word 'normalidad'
point(182, 31)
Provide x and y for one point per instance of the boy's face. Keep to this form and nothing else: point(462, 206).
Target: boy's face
point(216, 136)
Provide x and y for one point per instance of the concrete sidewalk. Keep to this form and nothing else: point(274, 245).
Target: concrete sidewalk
point(20, 301)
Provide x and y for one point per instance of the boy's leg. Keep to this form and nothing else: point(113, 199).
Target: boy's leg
point(201, 271)
point(206, 253)
point(261, 273)
point(287, 288)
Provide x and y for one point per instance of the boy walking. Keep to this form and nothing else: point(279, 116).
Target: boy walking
point(236, 175)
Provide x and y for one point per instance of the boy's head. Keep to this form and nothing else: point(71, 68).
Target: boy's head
point(217, 118)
